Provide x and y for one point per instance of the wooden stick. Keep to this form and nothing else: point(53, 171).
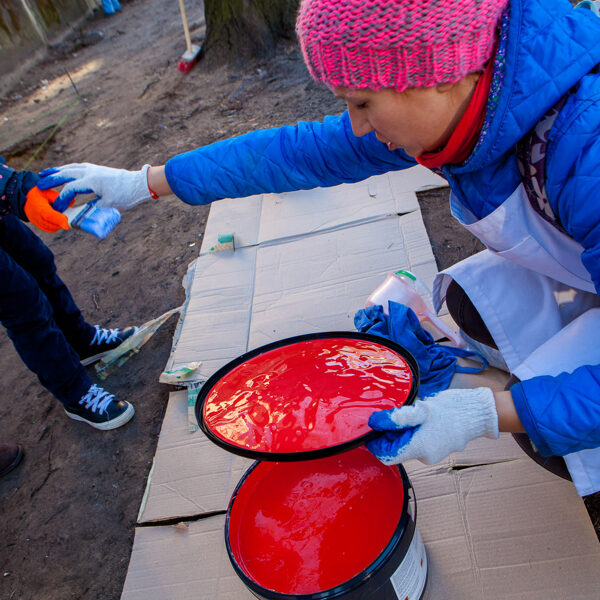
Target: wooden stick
point(188, 39)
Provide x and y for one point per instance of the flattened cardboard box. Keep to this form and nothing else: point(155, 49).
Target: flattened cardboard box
point(190, 475)
point(495, 524)
point(508, 530)
point(169, 563)
point(269, 217)
point(315, 282)
point(331, 246)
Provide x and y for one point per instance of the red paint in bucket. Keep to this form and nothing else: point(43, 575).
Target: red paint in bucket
point(302, 396)
point(301, 528)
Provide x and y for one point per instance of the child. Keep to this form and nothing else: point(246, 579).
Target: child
point(41, 318)
point(455, 85)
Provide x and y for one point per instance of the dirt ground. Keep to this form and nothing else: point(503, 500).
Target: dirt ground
point(68, 513)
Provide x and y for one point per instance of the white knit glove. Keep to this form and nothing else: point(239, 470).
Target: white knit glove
point(432, 428)
point(115, 188)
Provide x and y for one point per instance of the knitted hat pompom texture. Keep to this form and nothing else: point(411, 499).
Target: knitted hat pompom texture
point(396, 44)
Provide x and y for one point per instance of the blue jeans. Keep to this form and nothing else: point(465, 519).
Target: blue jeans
point(39, 313)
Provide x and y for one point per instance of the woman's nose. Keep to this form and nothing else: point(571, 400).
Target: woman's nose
point(360, 124)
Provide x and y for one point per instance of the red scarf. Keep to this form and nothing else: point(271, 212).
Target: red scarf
point(465, 136)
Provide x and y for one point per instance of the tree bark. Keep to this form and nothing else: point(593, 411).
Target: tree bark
point(239, 29)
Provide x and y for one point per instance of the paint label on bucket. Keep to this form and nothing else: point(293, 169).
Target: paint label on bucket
point(409, 578)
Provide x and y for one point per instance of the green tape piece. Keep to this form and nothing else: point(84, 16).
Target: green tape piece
point(407, 273)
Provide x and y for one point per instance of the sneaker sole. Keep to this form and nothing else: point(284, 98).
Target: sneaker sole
point(92, 359)
point(112, 424)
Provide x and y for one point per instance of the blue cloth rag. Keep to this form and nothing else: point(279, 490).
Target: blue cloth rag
point(437, 363)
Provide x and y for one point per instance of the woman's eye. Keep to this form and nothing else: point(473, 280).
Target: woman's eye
point(362, 105)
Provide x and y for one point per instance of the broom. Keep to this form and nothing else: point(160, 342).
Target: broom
point(190, 56)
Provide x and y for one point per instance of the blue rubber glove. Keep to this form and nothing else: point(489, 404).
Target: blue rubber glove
point(437, 362)
point(115, 188)
point(432, 428)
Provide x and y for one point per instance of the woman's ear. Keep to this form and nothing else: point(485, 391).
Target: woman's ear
point(468, 81)
point(442, 88)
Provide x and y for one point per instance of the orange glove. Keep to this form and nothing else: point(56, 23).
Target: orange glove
point(39, 211)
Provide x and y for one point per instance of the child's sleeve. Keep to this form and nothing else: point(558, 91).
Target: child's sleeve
point(304, 156)
point(14, 187)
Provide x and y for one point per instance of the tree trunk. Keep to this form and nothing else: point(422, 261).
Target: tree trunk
point(247, 28)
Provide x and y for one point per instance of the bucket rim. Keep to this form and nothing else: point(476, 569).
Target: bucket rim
point(301, 454)
point(377, 571)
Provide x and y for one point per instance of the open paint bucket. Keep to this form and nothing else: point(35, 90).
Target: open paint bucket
point(317, 517)
point(340, 527)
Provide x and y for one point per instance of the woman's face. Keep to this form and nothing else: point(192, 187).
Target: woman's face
point(417, 120)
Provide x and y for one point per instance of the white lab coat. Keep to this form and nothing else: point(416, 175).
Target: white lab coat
point(536, 298)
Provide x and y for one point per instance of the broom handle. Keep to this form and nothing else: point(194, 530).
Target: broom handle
point(186, 30)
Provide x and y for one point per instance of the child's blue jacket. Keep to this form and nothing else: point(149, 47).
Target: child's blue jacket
point(549, 49)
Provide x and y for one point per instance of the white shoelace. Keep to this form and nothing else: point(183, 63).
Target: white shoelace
point(97, 399)
point(105, 335)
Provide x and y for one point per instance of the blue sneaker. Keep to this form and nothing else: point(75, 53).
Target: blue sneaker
point(103, 342)
point(100, 409)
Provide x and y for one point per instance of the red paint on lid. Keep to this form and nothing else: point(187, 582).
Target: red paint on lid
point(307, 395)
point(308, 526)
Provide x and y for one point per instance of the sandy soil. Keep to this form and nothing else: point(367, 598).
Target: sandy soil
point(68, 513)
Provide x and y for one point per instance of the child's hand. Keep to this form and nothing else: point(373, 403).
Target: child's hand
point(39, 210)
point(434, 427)
point(115, 188)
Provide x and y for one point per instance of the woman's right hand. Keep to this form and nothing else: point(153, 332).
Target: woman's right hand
point(432, 428)
point(116, 188)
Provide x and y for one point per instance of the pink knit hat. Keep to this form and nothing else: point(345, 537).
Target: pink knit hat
point(396, 43)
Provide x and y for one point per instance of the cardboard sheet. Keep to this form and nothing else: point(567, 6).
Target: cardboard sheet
point(507, 530)
point(495, 524)
point(170, 563)
point(270, 217)
point(328, 247)
point(217, 316)
point(317, 283)
point(191, 476)
point(314, 282)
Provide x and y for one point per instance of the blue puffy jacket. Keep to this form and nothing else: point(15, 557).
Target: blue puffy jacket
point(548, 48)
